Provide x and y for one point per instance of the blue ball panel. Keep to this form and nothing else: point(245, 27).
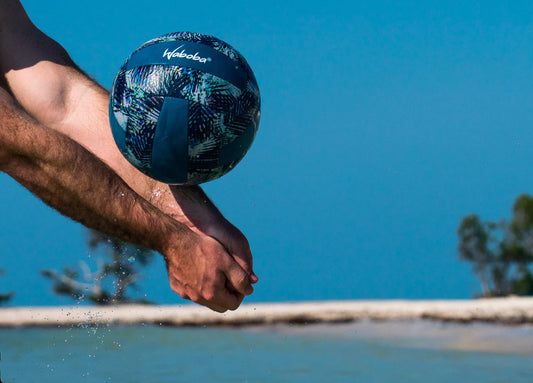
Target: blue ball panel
point(143, 116)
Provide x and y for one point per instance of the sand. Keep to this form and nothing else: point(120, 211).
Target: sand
point(511, 310)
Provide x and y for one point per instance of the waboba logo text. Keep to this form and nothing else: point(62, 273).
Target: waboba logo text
point(184, 55)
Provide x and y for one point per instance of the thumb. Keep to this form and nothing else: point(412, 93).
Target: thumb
point(246, 267)
point(239, 278)
point(242, 256)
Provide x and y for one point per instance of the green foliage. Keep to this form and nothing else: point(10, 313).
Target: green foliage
point(524, 284)
point(5, 297)
point(109, 284)
point(500, 253)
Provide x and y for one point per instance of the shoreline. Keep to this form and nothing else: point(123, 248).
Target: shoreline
point(506, 311)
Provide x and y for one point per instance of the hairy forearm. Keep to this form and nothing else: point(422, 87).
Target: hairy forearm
point(51, 88)
point(72, 180)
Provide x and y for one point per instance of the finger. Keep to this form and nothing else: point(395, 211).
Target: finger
point(247, 260)
point(210, 303)
point(245, 253)
point(234, 292)
point(238, 278)
point(212, 306)
point(246, 267)
point(189, 294)
point(254, 278)
point(240, 251)
point(224, 295)
point(178, 287)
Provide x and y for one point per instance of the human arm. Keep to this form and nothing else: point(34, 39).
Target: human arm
point(69, 178)
point(49, 86)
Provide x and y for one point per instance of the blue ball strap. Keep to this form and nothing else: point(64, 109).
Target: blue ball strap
point(170, 151)
point(191, 55)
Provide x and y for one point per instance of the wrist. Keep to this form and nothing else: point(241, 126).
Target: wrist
point(178, 241)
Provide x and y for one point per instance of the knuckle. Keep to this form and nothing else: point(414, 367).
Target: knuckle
point(209, 295)
point(176, 288)
point(193, 296)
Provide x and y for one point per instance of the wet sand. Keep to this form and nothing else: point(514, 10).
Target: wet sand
point(510, 311)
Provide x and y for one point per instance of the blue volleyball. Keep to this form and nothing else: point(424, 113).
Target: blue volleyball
point(184, 108)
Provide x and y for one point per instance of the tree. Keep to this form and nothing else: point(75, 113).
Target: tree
point(110, 282)
point(475, 246)
point(5, 297)
point(500, 253)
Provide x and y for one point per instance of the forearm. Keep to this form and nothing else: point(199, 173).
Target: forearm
point(50, 87)
point(69, 178)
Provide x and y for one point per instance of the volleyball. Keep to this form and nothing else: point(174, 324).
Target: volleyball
point(184, 108)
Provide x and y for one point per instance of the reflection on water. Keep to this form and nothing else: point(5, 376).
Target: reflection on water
point(363, 352)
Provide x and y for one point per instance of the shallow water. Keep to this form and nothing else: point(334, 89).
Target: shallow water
point(364, 352)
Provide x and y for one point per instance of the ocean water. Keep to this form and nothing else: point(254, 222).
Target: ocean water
point(360, 352)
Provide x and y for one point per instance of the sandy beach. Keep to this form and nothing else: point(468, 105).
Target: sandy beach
point(511, 310)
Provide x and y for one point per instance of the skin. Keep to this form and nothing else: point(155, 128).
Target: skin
point(76, 167)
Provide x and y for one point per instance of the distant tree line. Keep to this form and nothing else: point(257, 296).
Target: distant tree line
point(501, 252)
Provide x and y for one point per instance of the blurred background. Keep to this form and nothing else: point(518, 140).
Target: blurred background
point(383, 125)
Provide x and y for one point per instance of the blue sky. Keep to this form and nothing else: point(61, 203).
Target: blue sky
point(382, 126)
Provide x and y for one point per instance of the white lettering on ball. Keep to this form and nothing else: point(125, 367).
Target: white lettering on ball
point(183, 55)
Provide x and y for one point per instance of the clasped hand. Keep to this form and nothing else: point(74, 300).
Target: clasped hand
point(206, 273)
